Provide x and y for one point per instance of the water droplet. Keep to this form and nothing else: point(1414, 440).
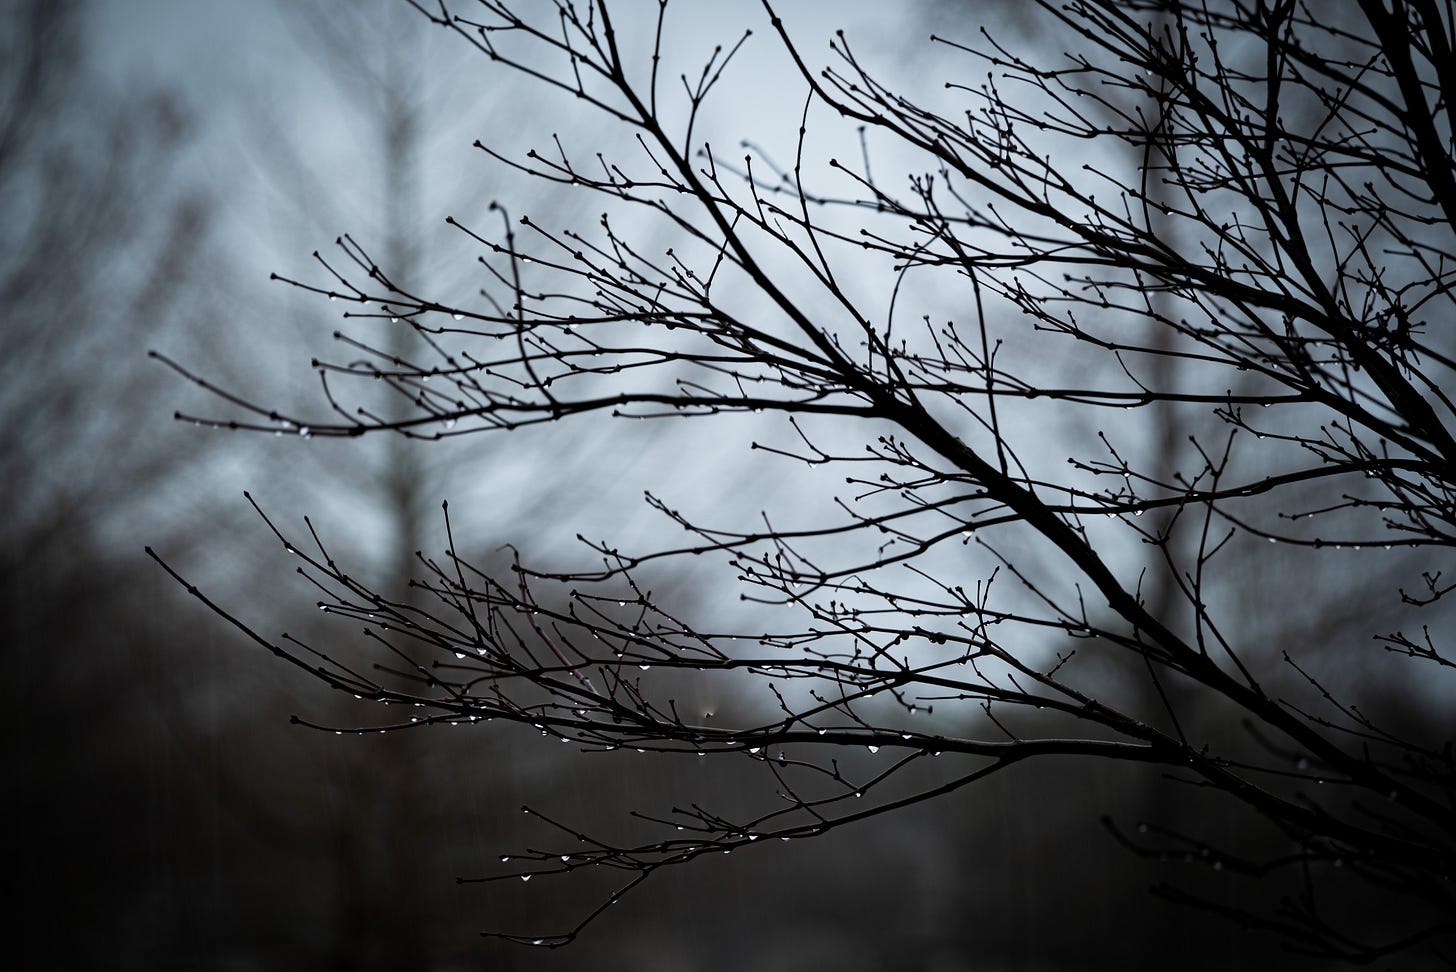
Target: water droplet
point(525, 877)
point(873, 749)
point(457, 316)
point(505, 858)
point(460, 654)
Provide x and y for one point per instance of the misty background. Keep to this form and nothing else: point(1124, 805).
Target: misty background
point(158, 160)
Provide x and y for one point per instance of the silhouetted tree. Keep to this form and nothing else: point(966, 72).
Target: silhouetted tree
point(1276, 260)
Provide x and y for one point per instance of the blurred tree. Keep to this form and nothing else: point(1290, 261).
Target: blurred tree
point(103, 242)
point(1275, 261)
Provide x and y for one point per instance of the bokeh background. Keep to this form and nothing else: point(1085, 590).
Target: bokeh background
point(158, 159)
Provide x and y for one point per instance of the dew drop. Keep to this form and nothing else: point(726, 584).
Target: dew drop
point(525, 877)
point(873, 749)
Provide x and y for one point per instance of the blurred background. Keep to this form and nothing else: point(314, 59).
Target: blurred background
point(158, 159)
